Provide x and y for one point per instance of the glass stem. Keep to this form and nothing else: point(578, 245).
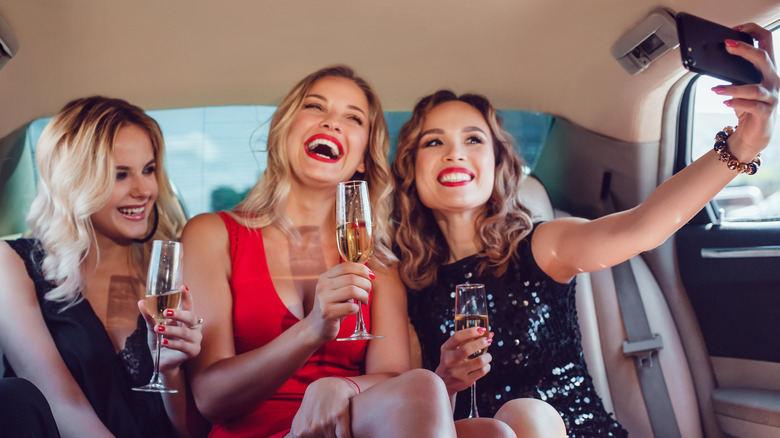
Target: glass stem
point(474, 413)
point(156, 374)
point(360, 326)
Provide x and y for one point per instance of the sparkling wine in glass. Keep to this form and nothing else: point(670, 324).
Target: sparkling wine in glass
point(163, 291)
point(471, 311)
point(355, 237)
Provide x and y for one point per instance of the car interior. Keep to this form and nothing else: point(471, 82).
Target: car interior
point(682, 340)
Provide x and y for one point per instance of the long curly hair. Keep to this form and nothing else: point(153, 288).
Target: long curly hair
point(264, 204)
point(502, 225)
point(75, 158)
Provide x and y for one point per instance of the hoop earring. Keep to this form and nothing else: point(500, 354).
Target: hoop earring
point(154, 227)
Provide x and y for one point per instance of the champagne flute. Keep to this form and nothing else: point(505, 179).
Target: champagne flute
point(471, 311)
point(163, 291)
point(355, 237)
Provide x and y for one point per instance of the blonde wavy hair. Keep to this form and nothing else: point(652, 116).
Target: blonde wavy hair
point(75, 158)
point(503, 223)
point(264, 204)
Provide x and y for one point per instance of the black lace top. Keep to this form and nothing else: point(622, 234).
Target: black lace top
point(536, 350)
point(105, 377)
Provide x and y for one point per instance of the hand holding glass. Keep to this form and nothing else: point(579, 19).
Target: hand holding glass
point(163, 291)
point(471, 311)
point(355, 237)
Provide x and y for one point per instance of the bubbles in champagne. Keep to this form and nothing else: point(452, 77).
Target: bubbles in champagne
point(156, 304)
point(355, 241)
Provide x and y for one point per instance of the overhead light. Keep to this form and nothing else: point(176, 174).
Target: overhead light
point(647, 41)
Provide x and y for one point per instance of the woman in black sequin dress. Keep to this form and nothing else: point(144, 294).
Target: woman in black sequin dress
point(459, 219)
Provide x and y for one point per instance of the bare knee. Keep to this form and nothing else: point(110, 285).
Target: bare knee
point(422, 384)
point(483, 427)
point(412, 404)
point(530, 418)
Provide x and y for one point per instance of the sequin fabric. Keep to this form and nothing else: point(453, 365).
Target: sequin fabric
point(536, 350)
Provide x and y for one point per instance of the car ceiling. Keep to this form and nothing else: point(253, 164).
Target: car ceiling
point(549, 56)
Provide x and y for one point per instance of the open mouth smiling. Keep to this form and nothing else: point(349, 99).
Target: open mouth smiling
point(133, 213)
point(324, 148)
point(455, 177)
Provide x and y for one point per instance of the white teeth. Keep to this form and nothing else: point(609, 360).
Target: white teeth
point(455, 177)
point(334, 150)
point(132, 211)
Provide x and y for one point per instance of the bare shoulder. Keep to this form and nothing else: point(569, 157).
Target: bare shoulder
point(204, 231)
point(555, 230)
point(207, 252)
point(205, 222)
point(12, 268)
point(388, 275)
point(17, 290)
point(550, 241)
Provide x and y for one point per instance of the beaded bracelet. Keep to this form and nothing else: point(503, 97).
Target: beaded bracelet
point(725, 156)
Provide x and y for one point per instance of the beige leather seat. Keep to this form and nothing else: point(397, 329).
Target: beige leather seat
point(603, 333)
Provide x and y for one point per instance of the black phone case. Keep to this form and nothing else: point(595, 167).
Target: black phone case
point(703, 50)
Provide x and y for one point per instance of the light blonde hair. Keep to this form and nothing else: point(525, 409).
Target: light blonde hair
point(264, 204)
point(75, 158)
point(504, 222)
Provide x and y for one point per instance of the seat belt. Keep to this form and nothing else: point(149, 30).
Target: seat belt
point(643, 345)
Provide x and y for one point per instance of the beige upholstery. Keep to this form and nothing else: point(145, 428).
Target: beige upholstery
point(601, 326)
point(622, 390)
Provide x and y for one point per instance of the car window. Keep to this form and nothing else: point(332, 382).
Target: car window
point(747, 197)
point(214, 155)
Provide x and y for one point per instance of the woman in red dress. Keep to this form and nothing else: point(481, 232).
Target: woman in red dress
point(275, 295)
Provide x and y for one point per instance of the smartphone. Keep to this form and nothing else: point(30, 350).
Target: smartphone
point(703, 50)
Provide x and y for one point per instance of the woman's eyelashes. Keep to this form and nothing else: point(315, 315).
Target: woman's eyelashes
point(432, 142)
point(319, 107)
point(148, 170)
point(472, 139)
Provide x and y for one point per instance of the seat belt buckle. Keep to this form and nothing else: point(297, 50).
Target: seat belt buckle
point(643, 350)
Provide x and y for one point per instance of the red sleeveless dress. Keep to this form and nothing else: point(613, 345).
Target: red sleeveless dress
point(259, 316)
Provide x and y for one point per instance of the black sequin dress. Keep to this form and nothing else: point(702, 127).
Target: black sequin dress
point(536, 350)
point(105, 377)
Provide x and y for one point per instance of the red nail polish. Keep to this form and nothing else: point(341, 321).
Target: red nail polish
point(728, 103)
point(740, 27)
point(489, 341)
point(371, 274)
point(731, 43)
point(169, 312)
point(160, 328)
point(718, 89)
point(481, 330)
point(186, 289)
point(165, 341)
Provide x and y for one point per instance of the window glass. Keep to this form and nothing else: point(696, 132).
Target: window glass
point(214, 155)
point(747, 197)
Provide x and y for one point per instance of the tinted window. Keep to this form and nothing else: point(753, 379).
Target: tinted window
point(746, 198)
point(214, 155)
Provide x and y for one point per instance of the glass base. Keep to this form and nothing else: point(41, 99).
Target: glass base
point(360, 336)
point(156, 387)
